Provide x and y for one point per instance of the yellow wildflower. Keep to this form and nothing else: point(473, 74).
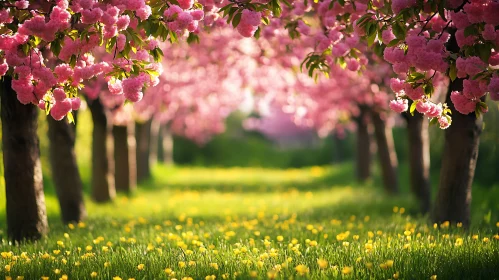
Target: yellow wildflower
point(322, 263)
point(346, 270)
point(140, 267)
point(93, 274)
point(301, 269)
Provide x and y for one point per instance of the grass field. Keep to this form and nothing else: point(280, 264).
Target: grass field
point(258, 223)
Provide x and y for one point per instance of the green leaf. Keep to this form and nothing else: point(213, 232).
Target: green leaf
point(484, 51)
point(25, 48)
point(70, 117)
point(72, 61)
point(413, 107)
point(393, 42)
point(399, 30)
point(55, 47)
point(257, 33)
point(236, 20)
point(341, 2)
point(470, 30)
point(452, 72)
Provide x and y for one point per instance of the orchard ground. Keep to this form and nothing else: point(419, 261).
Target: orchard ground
point(264, 223)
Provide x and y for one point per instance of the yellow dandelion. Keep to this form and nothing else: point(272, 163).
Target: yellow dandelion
point(107, 264)
point(181, 264)
point(322, 263)
point(475, 237)
point(301, 269)
point(271, 274)
point(369, 265)
point(280, 238)
point(7, 268)
point(210, 277)
point(346, 243)
point(313, 243)
point(459, 242)
point(395, 209)
point(93, 274)
point(214, 265)
point(44, 278)
point(433, 277)
point(389, 263)
point(253, 274)
point(402, 210)
point(486, 239)
point(396, 275)
point(346, 270)
point(140, 267)
point(117, 278)
point(64, 277)
point(57, 271)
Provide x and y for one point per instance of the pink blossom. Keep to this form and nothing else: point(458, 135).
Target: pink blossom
point(423, 107)
point(251, 17)
point(123, 22)
point(246, 30)
point(353, 64)
point(396, 84)
point(186, 4)
point(444, 122)
point(91, 16)
point(463, 104)
point(413, 93)
point(61, 109)
point(75, 103)
point(399, 105)
point(494, 88)
point(59, 94)
point(387, 36)
point(489, 32)
point(144, 12)
point(22, 4)
point(197, 14)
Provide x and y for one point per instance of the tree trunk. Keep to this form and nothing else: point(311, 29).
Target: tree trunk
point(364, 155)
point(165, 147)
point(124, 158)
point(419, 159)
point(103, 188)
point(153, 153)
point(67, 180)
point(26, 212)
point(143, 141)
point(386, 154)
point(459, 158)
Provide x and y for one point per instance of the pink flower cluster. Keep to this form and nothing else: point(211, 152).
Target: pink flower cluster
point(180, 20)
point(250, 20)
point(423, 54)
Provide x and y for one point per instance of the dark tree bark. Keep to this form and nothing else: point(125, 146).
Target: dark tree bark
point(386, 154)
point(459, 158)
point(103, 188)
point(165, 146)
point(143, 142)
point(67, 180)
point(124, 158)
point(364, 151)
point(26, 212)
point(419, 159)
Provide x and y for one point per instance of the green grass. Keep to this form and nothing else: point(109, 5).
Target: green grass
point(199, 222)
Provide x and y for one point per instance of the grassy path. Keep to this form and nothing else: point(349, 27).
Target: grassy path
point(255, 223)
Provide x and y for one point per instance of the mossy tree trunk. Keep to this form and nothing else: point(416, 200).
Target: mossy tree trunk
point(67, 180)
point(386, 154)
point(103, 185)
point(26, 212)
